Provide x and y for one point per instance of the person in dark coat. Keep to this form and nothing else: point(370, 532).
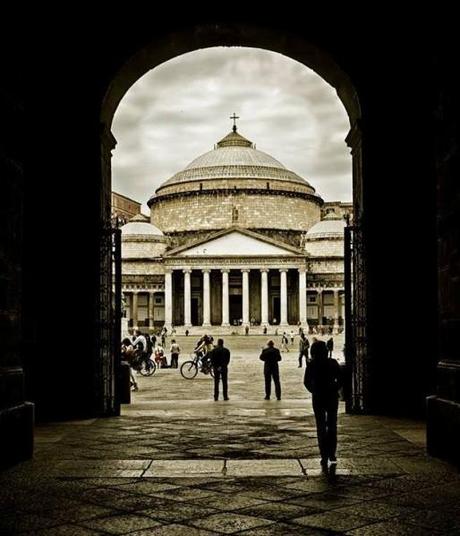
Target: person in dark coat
point(271, 356)
point(330, 346)
point(304, 345)
point(220, 358)
point(323, 379)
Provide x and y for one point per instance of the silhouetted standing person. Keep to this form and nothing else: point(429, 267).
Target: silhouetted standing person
point(271, 356)
point(220, 358)
point(330, 346)
point(322, 379)
point(304, 345)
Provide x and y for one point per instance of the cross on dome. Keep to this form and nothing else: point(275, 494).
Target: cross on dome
point(234, 117)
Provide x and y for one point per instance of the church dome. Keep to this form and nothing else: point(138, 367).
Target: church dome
point(235, 157)
point(329, 227)
point(234, 184)
point(140, 225)
point(325, 238)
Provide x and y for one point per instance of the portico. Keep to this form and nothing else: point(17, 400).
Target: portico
point(261, 282)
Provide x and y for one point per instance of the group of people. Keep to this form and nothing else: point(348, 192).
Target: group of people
point(322, 379)
point(322, 376)
point(141, 349)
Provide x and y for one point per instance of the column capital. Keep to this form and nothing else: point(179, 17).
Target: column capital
point(264, 270)
point(245, 270)
point(225, 270)
point(206, 270)
point(187, 270)
point(168, 271)
point(302, 269)
point(283, 269)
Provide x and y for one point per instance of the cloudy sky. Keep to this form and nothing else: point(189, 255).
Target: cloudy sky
point(180, 109)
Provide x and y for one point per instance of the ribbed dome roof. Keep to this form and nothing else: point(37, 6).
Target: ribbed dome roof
point(140, 225)
point(235, 157)
point(327, 228)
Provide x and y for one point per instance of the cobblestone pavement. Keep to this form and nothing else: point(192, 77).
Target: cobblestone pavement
point(178, 463)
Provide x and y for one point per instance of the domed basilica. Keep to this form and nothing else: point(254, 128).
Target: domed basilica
point(233, 240)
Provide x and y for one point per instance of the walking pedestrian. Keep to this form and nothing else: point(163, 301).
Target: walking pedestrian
point(284, 342)
point(330, 346)
point(322, 378)
point(304, 345)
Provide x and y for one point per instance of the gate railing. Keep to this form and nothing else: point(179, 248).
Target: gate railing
point(357, 381)
point(109, 323)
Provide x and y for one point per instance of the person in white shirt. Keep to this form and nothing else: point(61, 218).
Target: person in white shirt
point(175, 351)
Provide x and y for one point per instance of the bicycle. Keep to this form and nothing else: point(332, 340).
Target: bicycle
point(189, 369)
point(145, 366)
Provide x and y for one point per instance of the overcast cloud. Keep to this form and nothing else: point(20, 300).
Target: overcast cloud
point(180, 109)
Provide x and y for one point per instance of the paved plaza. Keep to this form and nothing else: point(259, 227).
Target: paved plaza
point(178, 463)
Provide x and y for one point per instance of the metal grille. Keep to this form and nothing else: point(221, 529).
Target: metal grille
point(356, 351)
point(108, 320)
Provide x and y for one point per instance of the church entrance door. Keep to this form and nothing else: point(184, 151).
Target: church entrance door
point(195, 312)
point(236, 309)
point(276, 309)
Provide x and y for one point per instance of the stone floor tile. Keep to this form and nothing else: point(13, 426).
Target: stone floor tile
point(229, 502)
point(167, 468)
point(433, 520)
point(323, 501)
point(376, 511)
point(186, 494)
point(229, 523)
point(121, 524)
point(331, 521)
point(174, 529)
point(393, 527)
point(65, 530)
point(263, 467)
point(277, 511)
point(146, 487)
point(285, 529)
point(178, 512)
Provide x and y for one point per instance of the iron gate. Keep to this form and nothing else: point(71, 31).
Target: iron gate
point(108, 324)
point(356, 352)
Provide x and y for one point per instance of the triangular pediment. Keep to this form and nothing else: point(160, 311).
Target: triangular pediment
point(235, 243)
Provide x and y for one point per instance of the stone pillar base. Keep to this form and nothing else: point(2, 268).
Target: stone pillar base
point(17, 433)
point(443, 429)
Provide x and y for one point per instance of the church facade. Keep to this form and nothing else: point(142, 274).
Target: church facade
point(234, 240)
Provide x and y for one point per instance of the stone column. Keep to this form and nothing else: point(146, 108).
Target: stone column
point(225, 301)
point(264, 297)
point(320, 306)
point(206, 298)
point(283, 297)
point(245, 274)
point(151, 308)
point(303, 299)
point(187, 298)
point(168, 299)
point(134, 309)
point(336, 327)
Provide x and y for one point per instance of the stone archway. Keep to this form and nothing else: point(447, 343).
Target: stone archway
point(204, 36)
